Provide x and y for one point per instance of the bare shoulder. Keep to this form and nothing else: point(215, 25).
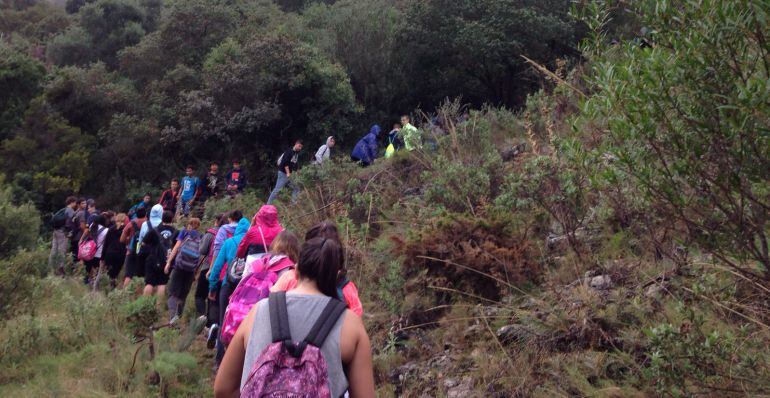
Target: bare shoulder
point(351, 333)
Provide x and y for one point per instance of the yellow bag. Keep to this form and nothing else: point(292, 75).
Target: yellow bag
point(390, 150)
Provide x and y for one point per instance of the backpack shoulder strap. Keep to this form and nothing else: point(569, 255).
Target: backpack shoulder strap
point(323, 326)
point(279, 317)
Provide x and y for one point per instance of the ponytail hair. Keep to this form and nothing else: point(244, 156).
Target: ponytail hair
point(93, 229)
point(320, 260)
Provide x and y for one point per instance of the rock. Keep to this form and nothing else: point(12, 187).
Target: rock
point(441, 363)
point(450, 383)
point(462, 390)
point(653, 290)
point(471, 330)
point(511, 333)
point(512, 152)
point(416, 191)
point(601, 282)
point(401, 373)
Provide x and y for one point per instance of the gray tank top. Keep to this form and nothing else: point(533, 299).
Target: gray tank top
point(303, 310)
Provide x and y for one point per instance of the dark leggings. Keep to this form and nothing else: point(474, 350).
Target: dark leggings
point(204, 306)
point(224, 298)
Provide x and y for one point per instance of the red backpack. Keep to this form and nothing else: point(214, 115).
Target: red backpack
point(287, 368)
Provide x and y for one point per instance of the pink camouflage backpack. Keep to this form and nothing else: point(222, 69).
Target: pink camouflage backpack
point(252, 288)
point(287, 368)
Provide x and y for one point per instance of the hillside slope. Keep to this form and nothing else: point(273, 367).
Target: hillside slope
point(608, 240)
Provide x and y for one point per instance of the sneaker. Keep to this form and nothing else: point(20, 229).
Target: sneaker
point(173, 320)
point(211, 340)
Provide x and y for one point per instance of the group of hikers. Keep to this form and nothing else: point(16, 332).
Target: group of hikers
point(261, 296)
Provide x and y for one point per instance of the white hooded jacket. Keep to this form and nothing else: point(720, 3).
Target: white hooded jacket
point(324, 152)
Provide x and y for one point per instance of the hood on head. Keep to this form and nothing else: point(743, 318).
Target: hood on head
point(375, 129)
point(243, 227)
point(156, 215)
point(267, 216)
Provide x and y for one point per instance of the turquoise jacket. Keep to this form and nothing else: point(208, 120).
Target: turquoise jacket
point(227, 253)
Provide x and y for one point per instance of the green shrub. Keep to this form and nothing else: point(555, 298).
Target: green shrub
point(685, 121)
point(19, 278)
point(19, 223)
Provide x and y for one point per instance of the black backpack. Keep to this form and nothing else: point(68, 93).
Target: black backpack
point(59, 219)
point(153, 249)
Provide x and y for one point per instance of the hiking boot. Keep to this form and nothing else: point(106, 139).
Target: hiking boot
point(173, 320)
point(211, 339)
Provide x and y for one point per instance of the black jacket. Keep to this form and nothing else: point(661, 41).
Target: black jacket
point(289, 158)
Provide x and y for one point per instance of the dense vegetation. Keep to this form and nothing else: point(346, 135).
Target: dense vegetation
point(198, 81)
point(598, 228)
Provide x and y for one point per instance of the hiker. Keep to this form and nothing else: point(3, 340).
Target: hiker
point(114, 251)
point(394, 143)
point(287, 164)
point(235, 179)
point(185, 259)
point(366, 150)
point(189, 191)
point(92, 211)
point(129, 238)
point(79, 227)
point(225, 232)
point(144, 204)
point(62, 231)
point(95, 233)
point(170, 197)
point(342, 347)
point(211, 184)
point(258, 277)
point(265, 226)
point(346, 290)
point(225, 256)
point(410, 135)
point(156, 238)
point(204, 307)
point(325, 151)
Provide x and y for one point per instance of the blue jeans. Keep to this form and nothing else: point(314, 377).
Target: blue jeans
point(284, 180)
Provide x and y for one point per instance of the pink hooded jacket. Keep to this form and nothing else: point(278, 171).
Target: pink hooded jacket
point(266, 219)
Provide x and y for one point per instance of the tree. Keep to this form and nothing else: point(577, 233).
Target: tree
point(88, 98)
point(104, 28)
point(363, 36)
point(260, 94)
point(474, 48)
point(686, 122)
point(21, 78)
point(46, 156)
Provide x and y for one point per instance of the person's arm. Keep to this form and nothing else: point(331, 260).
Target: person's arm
point(171, 256)
point(228, 381)
point(241, 180)
point(358, 366)
point(124, 235)
point(198, 189)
